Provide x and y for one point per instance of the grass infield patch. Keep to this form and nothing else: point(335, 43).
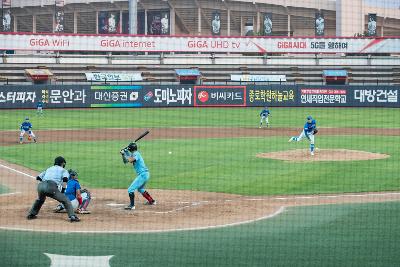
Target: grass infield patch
point(223, 165)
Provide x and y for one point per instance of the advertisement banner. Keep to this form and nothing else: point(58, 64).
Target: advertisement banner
point(115, 96)
point(109, 22)
point(323, 96)
point(85, 96)
point(73, 42)
point(167, 96)
point(220, 96)
point(158, 22)
point(267, 24)
point(7, 20)
point(257, 78)
point(376, 96)
point(141, 25)
point(249, 28)
point(59, 16)
point(319, 24)
point(371, 28)
point(113, 77)
point(13, 97)
point(274, 95)
point(216, 23)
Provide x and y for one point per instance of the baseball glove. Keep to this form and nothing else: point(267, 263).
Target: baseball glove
point(315, 131)
point(29, 138)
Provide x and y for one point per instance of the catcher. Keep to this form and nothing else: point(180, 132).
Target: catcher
point(309, 130)
point(80, 198)
point(131, 155)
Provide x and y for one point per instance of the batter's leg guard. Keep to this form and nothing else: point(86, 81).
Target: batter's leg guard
point(149, 199)
point(132, 199)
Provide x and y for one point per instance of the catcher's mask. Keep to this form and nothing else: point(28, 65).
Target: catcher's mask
point(73, 173)
point(60, 161)
point(132, 147)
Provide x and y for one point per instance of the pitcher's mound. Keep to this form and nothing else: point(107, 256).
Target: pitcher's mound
point(322, 155)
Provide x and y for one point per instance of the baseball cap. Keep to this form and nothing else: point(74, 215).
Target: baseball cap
point(309, 118)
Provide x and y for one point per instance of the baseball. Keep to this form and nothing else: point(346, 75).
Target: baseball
point(170, 152)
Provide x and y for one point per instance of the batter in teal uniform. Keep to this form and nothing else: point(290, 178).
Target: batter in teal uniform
point(131, 155)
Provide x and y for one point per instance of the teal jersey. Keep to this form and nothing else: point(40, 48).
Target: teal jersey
point(139, 164)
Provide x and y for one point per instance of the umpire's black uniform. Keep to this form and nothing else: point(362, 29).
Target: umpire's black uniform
point(50, 180)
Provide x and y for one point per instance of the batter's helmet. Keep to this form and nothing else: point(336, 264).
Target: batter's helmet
point(73, 173)
point(59, 161)
point(132, 147)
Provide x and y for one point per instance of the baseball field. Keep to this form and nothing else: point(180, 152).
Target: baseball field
point(228, 193)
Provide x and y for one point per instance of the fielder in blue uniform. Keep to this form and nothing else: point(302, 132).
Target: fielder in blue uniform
point(264, 114)
point(309, 131)
point(26, 127)
point(131, 155)
point(39, 108)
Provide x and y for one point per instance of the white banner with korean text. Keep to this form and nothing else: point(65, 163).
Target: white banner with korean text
point(258, 78)
point(113, 77)
point(130, 43)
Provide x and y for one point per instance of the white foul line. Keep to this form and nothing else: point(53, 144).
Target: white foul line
point(17, 171)
point(269, 216)
point(9, 194)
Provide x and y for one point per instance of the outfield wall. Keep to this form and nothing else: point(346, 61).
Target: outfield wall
point(89, 96)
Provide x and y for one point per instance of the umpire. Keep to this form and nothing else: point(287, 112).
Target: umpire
point(50, 181)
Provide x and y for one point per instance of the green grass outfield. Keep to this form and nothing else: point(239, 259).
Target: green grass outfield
point(329, 235)
point(204, 117)
point(224, 165)
point(218, 165)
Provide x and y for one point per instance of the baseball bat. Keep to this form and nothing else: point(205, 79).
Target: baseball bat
point(139, 137)
point(142, 135)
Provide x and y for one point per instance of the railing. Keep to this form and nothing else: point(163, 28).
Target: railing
point(200, 59)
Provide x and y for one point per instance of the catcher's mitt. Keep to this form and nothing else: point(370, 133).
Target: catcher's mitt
point(315, 131)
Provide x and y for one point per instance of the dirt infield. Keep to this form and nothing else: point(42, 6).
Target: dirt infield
point(176, 210)
point(299, 155)
point(11, 137)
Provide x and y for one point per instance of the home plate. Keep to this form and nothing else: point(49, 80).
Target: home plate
point(115, 205)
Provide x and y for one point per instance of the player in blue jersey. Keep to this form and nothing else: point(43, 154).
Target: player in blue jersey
point(80, 198)
point(131, 155)
point(264, 114)
point(39, 108)
point(309, 131)
point(26, 127)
